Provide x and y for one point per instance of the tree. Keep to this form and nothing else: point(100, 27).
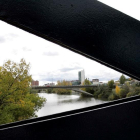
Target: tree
point(104, 92)
point(117, 90)
point(16, 102)
point(122, 79)
point(87, 82)
point(113, 96)
point(111, 84)
point(63, 83)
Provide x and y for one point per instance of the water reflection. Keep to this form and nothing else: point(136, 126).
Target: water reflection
point(61, 103)
point(74, 100)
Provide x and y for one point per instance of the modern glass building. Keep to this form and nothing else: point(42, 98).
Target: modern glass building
point(81, 76)
point(75, 82)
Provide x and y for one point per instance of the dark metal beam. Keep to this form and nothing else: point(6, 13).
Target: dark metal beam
point(87, 27)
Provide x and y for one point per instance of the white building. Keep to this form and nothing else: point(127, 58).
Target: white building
point(95, 82)
point(81, 76)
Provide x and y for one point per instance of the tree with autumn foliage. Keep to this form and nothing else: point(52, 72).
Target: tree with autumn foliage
point(117, 90)
point(87, 82)
point(61, 90)
point(16, 102)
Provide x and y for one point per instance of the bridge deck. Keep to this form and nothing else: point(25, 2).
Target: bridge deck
point(68, 87)
point(81, 91)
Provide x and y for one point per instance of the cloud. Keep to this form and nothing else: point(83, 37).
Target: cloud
point(7, 37)
point(59, 78)
point(70, 69)
point(51, 53)
point(13, 35)
point(2, 39)
point(26, 49)
point(50, 77)
point(14, 51)
point(106, 75)
point(55, 76)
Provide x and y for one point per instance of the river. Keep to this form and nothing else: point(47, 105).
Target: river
point(60, 103)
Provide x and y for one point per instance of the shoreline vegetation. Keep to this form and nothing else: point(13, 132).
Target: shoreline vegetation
point(114, 90)
point(107, 92)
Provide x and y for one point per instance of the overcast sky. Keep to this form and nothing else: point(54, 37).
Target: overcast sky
point(50, 62)
point(129, 7)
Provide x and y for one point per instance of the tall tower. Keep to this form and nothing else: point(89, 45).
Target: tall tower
point(81, 76)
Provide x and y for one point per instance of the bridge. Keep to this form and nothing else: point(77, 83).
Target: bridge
point(74, 88)
point(81, 91)
point(68, 87)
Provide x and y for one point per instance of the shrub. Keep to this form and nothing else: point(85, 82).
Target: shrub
point(123, 93)
point(130, 94)
point(113, 96)
point(111, 84)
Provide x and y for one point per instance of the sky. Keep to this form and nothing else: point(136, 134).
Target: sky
point(50, 62)
point(128, 7)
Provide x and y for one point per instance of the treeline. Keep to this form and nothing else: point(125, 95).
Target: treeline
point(60, 90)
point(114, 91)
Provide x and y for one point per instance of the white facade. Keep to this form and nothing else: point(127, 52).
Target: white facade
point(95, 83)
point(81, 76)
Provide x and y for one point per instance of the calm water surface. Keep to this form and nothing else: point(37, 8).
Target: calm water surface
point(60, 103)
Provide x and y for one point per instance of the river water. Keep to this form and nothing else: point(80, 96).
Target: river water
point(60, 103)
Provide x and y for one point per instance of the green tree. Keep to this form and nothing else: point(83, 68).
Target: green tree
point(113, 96)
point(87, 89)
point(122, 79)
point(50, 90)
point(102, 92)
point(111, 84)
point(16, 102)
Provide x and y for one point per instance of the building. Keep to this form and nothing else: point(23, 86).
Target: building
point(75, 82)
point(95, 80)
point(134, 81)
point(34, 83)
point(81, 76)
point(117, 82)
point(49, 84)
